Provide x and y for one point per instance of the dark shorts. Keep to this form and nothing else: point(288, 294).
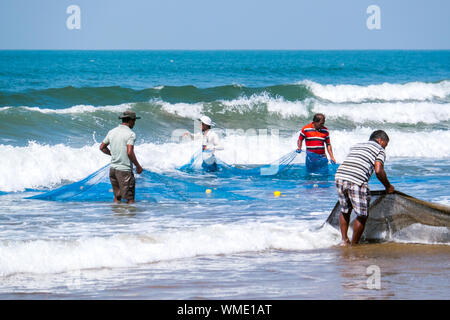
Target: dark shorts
point(352, 196)
point(123, 183)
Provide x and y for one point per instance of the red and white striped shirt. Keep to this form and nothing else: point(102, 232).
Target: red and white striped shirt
point(315, 140)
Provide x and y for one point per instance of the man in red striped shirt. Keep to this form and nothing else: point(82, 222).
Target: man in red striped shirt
point(316, 136)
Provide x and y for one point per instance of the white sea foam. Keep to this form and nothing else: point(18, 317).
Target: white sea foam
point(127, 250)
point(418, 144)
point(274, 105)
point(445, 201)
point(185, 110)
point(418, 91)
point(353, 103)
point(37, 165)
point(82, 109)
point(248, 148)
point(241, 105)
point(388, 112)
point(398, 112)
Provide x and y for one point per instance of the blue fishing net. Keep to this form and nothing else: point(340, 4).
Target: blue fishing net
point(202, 161)
point(282, 167)
point(150, 186)
point(95, 185)
point(155, 187)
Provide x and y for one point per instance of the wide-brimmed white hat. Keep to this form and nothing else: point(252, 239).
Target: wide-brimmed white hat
point(206, 120)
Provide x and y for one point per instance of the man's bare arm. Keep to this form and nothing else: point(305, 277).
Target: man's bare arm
point(133, 159)
point(330, 152)
point(299, 144)
point(381, 175)
point(104, 149)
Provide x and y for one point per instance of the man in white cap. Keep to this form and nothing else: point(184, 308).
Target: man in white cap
point(121, 140)
point(210, 143)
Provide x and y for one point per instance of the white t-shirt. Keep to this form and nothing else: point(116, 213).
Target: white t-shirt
point(210, 139)
point(118, 139)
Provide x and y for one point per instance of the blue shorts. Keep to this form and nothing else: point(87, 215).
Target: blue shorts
point(316, 162)
point(209, 167)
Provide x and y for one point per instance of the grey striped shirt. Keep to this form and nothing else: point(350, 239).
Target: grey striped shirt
point(360, 162)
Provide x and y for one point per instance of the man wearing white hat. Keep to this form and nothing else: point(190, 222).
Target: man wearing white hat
point(210, 143)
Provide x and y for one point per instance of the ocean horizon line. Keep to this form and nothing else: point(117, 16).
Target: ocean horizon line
point(206, 50)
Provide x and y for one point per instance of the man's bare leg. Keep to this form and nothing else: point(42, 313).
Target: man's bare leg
point(344, 221)
point(117, 199)
point(358, 229)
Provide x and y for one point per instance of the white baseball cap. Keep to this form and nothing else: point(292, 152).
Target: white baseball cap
point(206, 120)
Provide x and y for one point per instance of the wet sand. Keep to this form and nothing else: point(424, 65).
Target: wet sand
point(407, 271)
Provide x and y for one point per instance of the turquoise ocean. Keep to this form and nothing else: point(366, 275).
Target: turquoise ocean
point(57, 106)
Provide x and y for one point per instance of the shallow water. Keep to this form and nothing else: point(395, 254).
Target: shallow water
point(266, 248)
point(407, 271)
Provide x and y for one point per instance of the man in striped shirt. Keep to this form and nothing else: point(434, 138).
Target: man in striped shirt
point(352, 178)
point(316, 136)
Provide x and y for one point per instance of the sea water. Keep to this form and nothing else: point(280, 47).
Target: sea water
point(57, 106)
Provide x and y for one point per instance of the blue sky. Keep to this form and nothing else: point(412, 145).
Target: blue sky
point(225, 24)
